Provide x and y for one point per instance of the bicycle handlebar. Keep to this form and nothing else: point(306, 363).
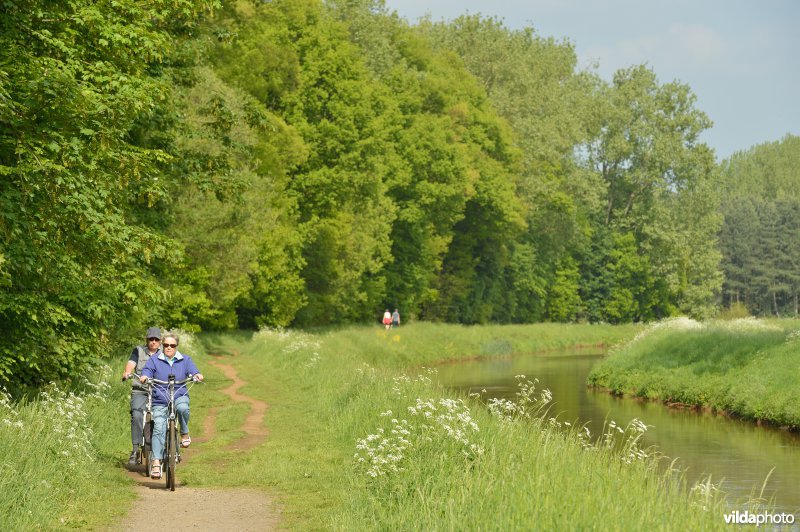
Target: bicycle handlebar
point(190, 378)
point(150, 380)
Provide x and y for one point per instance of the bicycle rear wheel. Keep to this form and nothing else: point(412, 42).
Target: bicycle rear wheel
point(172, 451)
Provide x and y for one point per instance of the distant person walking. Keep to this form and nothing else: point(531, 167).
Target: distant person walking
point(395, 319)
point(387, 319)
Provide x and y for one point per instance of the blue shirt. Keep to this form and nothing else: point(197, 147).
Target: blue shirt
point(160, 367)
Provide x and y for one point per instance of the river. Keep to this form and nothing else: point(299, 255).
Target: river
point(738, 454)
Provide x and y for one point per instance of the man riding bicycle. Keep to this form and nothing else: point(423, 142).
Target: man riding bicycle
point(139, 356)
point(169, 362)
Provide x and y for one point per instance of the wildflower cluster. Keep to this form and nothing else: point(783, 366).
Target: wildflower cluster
point(793, 337)
point(529, 404)
point(365, 370)
point(380, 453)
point(313, 361)
point(674, 324)
point(450, 417)
point(441, 426)
point(533, 406)
point(584, 438)
point(98, 385)
point(60, 419)
point(741, 325)
point(189, 343)
point(272, 333)
point(301, 342)
point(626, 440)
point(67, 421)
point(292, 342)
point(404, 384)
point(10, 415)
point(749, 324)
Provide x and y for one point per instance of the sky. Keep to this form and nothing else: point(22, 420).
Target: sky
point(741, 58)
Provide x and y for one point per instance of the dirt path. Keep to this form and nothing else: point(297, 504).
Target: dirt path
point(253, 426)
point(221, 510)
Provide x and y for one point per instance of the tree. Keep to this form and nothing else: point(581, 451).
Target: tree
point(659, 181)
point(533, 84)
point(229, 205)
point(759, 234)
point(300, 64)
point(564, 302)
point(76, 76)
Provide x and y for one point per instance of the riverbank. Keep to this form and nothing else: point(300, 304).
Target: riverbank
point(358, 441)
point(743, 368)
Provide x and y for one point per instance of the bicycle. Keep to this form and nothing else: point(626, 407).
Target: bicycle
point(172, 454)
point(144, 449)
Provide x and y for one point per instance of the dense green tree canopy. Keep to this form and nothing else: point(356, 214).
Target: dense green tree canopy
point(209, 165)
point(75, 78)
point(760, 235)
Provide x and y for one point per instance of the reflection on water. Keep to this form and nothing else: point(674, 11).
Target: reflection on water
point(738, 453)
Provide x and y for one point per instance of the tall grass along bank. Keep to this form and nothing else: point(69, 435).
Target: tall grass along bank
point(363, 437)
point(745, 367)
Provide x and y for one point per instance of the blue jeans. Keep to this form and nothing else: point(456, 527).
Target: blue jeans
point(160, 424)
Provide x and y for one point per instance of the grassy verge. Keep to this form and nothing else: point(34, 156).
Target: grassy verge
point(59, 454)
point(748, 368)
point(361, 436)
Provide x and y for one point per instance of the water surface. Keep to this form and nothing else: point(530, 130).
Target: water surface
point(740, 454)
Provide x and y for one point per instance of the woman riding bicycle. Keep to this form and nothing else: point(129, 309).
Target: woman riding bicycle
point(169, 362)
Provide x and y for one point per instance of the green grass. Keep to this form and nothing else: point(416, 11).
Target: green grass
point(329, 391)
point(747, 368)
point(60, 455)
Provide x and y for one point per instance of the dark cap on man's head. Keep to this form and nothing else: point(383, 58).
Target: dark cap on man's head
point(153, 332)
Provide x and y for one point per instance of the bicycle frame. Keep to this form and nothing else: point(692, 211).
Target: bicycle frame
point(172, 454)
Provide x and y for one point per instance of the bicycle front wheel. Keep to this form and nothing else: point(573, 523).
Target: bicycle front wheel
point(147, 447)
point(172, 452)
